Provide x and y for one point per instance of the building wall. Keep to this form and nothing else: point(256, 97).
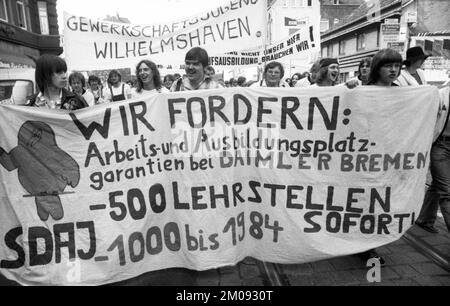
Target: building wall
point(330, 11)
point(433, 15)
point(19, 45)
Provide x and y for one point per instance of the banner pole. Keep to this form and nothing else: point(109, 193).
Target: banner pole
point(266, 31)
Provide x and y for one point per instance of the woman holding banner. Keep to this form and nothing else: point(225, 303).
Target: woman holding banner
point(384, 71)
point(148, 80)
point(51, 80)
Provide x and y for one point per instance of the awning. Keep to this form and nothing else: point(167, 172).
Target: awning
point(8, 60)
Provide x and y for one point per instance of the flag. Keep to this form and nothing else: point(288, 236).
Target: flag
point(437, 47)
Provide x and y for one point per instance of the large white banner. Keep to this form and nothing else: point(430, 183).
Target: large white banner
point(94, 44)
point(204, 179)
point(298, 46)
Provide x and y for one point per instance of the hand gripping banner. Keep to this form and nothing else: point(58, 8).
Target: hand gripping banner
point(204, 179)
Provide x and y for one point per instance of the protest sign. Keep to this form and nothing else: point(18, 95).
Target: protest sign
point(390, 33)
point(298, 46)
point(93, 44)
point(204, 179)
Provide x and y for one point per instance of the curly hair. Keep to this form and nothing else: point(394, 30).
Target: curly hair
point(155, 73)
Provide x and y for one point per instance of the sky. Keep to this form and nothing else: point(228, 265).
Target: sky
point(137, 11)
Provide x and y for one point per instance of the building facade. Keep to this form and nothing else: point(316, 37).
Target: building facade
point(429, 27)
point(334, 12)
point(361, 34)
point(28, 29)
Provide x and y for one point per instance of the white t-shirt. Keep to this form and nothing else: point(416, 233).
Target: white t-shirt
point(262, 83)
point(135, 94)
point(89, 97)
point(303, 83)
point(117, 91)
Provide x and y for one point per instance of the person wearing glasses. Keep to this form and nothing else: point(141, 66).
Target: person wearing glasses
point(272, 77)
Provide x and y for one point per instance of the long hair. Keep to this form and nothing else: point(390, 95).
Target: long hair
point(111, 73)
point(322, 74)
point(299, 75)
point(383, 57)
point(366, 60)
point(46, 66)
point(155, 72)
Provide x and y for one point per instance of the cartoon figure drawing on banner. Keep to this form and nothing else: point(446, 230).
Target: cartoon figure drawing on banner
point(44, 169)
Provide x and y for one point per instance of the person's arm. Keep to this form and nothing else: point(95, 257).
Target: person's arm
point(128, 94)
point(107, 94)
point(353, 83)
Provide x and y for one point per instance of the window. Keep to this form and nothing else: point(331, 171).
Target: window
point(43, 18)
point(343, 77)
point(342, 47)
point(297, 3)
point(22, 17)
point(3, 12)
point(15, 91)
point(360, 42)
point(330, 51)
point(324, 25)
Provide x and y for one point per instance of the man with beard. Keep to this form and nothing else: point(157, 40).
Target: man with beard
point(196, 61)
point(272, 77)
point(328, 74)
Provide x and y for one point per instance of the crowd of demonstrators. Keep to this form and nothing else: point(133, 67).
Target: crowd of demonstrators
point(51, 80)
point(117, 90)
point(148, 80)
point(383, 70)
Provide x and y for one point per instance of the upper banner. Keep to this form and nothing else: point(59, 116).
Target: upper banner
point(204, 179)
point(298, 46)
point(94, 44)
